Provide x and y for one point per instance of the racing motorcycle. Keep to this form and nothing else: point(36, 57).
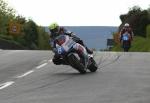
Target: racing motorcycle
point(126, 43)
point(74, 54)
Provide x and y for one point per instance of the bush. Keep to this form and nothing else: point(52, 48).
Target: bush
point(148, 31)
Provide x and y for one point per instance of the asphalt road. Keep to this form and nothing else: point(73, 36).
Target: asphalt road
point(31, 77)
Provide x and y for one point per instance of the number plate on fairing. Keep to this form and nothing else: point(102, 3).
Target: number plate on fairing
point(125, 37)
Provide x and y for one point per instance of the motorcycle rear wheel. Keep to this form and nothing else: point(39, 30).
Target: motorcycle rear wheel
point(93, 66)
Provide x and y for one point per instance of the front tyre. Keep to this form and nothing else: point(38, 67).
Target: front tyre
point(75, 63)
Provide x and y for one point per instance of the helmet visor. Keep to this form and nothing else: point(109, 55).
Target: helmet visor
point(54, 30)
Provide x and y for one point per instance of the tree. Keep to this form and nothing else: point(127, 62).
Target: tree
point(31, 34)
point(43, 39)
point(6, 13)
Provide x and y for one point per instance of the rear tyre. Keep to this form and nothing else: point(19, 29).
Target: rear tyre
point(75, 63)
point(126, 46)
point(93, 66)
point(126, 49)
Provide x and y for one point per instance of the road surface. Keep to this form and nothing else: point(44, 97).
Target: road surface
point(31, 77)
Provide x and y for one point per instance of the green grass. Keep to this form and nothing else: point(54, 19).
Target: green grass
point(139, 44)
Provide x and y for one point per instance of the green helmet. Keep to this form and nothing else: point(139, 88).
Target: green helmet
point(53, 26)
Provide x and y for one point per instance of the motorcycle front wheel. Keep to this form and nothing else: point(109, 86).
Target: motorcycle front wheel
point(75, 63)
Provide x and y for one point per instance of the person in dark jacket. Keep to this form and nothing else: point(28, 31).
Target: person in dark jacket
point(126, 30)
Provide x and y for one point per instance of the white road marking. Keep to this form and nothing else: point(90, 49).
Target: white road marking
point(50, 60)
point(25, 74)
point(43, 61)
point(40, 66)
point(4, 85)
point(31, 71)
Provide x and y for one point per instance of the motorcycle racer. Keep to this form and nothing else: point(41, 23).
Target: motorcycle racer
point(56, 30)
